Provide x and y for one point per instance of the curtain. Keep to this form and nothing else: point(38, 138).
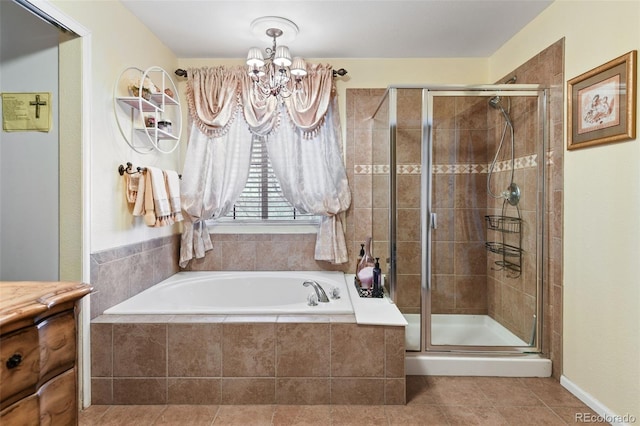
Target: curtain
point(313, 179)
point(215, 173)
point(213, 96)
point(303, 139)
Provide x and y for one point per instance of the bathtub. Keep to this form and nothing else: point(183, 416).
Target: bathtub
point(238, 292)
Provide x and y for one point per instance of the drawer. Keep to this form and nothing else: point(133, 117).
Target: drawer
point(57, 337)
point(20, 368)
point(58, 400)
point(25, 412)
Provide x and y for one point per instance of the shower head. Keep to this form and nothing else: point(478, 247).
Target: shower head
point(496, 102)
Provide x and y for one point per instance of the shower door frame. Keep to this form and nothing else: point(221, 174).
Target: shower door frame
point(428, 219)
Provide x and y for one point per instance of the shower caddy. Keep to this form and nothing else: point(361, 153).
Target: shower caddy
point(510, 245)
point(146, 134)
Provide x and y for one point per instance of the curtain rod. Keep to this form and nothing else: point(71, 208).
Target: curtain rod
point(341, 72)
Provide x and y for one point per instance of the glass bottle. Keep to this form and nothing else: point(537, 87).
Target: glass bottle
point(364, 272)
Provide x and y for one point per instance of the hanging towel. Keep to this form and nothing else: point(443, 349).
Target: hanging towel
point(132, 183)
point(138, 207)
point(157, 209)
point(173, 190)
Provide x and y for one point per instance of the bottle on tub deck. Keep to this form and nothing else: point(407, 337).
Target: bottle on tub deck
point(364, 272)
point(377, 291)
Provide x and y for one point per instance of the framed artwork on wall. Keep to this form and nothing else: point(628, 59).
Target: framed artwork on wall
point(602, 104)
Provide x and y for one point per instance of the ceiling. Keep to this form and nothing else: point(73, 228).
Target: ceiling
point(339, 29)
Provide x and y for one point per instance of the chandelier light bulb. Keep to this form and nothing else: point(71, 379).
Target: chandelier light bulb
point(255, 58)
point(298, 67)
point(283, 57)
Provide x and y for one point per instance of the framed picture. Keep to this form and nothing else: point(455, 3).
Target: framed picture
point(602, 104)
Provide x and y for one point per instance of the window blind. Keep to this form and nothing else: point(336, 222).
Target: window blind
point(262, 197)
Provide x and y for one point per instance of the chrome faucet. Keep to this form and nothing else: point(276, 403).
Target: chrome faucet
point(322, 296)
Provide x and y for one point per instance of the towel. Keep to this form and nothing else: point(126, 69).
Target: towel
point(172, 181)
point(156, 205)
point(132, 183)
point(138, 207)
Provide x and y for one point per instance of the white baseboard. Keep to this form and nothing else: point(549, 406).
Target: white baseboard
point(604, 412)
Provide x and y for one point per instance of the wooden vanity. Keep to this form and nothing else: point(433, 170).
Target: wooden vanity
point(38, 352)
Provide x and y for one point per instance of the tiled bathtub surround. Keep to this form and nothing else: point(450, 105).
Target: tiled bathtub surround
point(122, 272)
point(246, 360)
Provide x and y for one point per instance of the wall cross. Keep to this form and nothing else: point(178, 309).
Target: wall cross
point(38, 103)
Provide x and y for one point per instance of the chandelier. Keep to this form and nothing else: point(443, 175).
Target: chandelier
point(275, 74)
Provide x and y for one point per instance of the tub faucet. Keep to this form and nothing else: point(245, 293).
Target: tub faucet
point(322, 296)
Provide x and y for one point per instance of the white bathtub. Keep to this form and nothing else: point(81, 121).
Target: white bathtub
point(238, 292)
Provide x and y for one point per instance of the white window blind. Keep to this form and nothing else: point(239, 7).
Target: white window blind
point(262, 197)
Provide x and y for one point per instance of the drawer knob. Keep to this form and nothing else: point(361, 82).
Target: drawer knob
point(14, 361)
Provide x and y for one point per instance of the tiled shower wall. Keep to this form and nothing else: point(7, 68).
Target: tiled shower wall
point(506, 298)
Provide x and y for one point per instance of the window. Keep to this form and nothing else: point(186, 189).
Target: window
point(262, 200)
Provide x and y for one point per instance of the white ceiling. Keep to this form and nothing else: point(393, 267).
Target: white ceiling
point(340, 29)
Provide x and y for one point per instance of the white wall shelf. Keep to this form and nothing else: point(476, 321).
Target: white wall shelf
point(132, 110)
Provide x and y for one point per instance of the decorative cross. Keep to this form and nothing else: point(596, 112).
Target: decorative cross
point(38, 104)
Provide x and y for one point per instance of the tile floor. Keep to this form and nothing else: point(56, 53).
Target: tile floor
point(431, 400)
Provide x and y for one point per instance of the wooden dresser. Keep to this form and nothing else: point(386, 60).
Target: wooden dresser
point(38, 352)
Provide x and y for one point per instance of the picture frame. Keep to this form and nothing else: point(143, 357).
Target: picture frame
point(601, 105)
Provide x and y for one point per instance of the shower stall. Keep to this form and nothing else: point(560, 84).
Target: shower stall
point(458, 213)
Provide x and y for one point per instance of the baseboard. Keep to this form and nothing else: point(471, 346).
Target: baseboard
point(605, 413)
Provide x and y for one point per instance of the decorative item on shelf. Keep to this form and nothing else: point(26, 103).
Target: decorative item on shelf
point(168, 92)
point(148, 88)
point(165, 125)
point(150, 121)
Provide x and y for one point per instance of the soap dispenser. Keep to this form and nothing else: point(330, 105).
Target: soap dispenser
point(377, 280)
point(364, 272)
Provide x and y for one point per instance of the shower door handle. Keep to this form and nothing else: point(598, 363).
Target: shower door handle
point(434, 220)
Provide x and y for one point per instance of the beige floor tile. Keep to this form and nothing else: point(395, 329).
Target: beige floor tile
point(416, 415)
point(302, 415)
point(91, 416)
point(187, 415)
point(506, 392)
point(139, 415)
point(244, 415)
point(551, 392)
point(358, 415)
point(471, 416)
point(530, 416)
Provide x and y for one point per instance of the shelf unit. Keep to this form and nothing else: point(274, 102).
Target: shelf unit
point(130, 111)
point(510, 245)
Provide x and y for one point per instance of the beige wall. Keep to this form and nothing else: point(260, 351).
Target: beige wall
point(118, 41)
point(602, 204)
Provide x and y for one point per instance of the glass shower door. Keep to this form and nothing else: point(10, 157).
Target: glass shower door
point(482, 218)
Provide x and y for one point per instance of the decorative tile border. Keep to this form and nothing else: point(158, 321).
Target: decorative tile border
point(415, 169)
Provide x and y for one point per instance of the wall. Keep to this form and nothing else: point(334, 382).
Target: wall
point(29, 160)
point(601, 294)
point(131, 45)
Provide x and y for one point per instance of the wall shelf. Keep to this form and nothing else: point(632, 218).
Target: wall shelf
point(132, 111)
point(510, 246)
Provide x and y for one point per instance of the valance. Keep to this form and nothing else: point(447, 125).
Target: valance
point(214, 94)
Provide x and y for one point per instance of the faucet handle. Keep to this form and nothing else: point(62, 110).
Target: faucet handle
point(334, 293)
point(312, 299)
